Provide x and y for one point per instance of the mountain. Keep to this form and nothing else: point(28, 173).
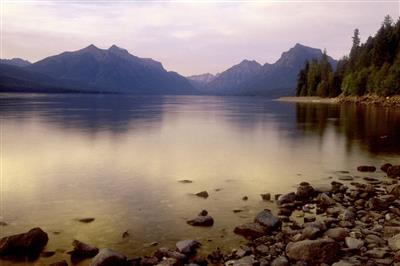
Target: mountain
point(112, 70)
point(277, 79)
point(199, 81)
point(15, 62)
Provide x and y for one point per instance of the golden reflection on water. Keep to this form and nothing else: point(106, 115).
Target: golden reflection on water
point(118, 159)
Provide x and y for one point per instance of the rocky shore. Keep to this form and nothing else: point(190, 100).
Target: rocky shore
point(369, 99)
point(342, 224)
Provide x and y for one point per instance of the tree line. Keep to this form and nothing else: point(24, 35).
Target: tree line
point(372, 67)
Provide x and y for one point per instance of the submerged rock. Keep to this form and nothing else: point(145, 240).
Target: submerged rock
point(385, 167)
point(202, 194)
point(202, 221)
point(250, 230)
point(314, 252)
point(108, 257)
point(86, 220)
point(187, 246)
point(59, 263)
point(304, 191)
point(366, 168)
point(26, 245)
point(82, 251)
point(266, 196)
point(267, 219)
point(185, 181)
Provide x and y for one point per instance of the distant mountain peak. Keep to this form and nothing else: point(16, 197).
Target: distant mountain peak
point(91, 47)
point(15, 62)
point(117, 49)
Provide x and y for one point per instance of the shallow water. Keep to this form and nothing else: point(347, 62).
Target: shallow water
point(119, 158)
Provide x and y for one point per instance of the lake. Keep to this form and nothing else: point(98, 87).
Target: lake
point(119, 159)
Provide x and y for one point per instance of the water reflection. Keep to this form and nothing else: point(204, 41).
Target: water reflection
point(118, 159)
point(372, 128)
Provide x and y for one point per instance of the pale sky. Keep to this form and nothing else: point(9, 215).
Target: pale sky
point(190, 37)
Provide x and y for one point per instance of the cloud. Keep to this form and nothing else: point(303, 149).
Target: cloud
point(188, 37)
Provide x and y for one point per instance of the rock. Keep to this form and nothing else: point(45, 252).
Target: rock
point(3, 223)
point(203, 213)
point(168, 262)
point(185, 181)
point(148, 261)
point(393, 171)
point(245, 198)
point(345, 178)
point(348, 215)
point(304, 191)
point(250, 230)
point(82, 250)
point(125, 234)
point(338, 233)
point(201, 221)
point(59, 263)
point(385, 167)
point(47, 254)
point(266, 196)
point(366, 168)
point(342, 263)
point(314, 252)
point(394, 190)
point(28, 245)
point(394, 242)
point(187, 246)
point(280, 261)
point(353, 243)
point(266, 219)
point(324, 200)
point(245, 261)
point(262, 249)
point(286, 198)
point(377, 253)
point(108, 257)
point(202, 194)
point(310, 232)
point(378, 204)
point(86, 220)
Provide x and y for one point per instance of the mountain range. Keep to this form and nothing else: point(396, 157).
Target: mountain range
point(115, 70)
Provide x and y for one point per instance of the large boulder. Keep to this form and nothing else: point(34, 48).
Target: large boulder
point(202, 221)
point(267, 219)
point(314, 252)
point(250, 230)
point(108, 257)
point(26, 245)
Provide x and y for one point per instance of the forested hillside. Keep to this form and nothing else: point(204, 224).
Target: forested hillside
point(370, 68)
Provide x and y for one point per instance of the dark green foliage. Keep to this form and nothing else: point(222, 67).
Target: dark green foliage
point(372, 67)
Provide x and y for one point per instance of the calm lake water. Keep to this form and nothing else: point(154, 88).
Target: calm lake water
point(119, 158)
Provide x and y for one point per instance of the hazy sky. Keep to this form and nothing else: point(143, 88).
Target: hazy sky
point(189, 37)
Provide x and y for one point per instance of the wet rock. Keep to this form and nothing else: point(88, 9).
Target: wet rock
point(82, 251)
point(377, 253)
point(125, 234)
point(266, 196)
point(353, 243)
point(108, 257)
point(250, 230)
point(378, 204)
point(245, 261)
point(168, 262)
point(148, 261)
point(324, 200)
point(216, 256)
point(310, 232)
point(393, 171)
point(86, 220)
point(262, 249)
point(304, 191)
point(314, 252)
point(47, 254)
point(394, 190)
point(394, 242)
point(280, 261)
point(342, 263)
point(202, 194)
point(187, 246)
point(202, 221)
point(245, 198)
point(267, 219)
point(345, 178)
point(26, 245)
point(203, 213)
point(286, 198)
point(185, 181)
point(59, 263)
point(366, 168)
point(385, 167)
point(338, 233)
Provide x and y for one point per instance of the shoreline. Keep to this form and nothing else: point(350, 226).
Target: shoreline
point(353, 221)
point(393, 101)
